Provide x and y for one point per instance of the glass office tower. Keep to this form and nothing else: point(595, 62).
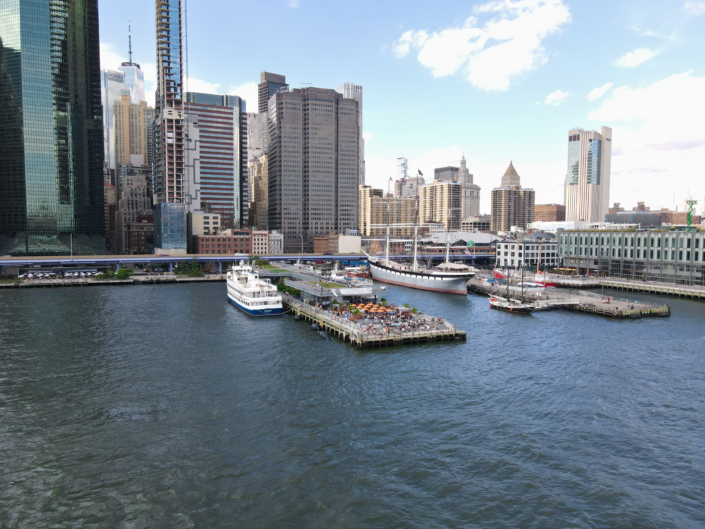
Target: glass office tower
point(51, 131)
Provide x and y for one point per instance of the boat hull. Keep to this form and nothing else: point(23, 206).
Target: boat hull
point(512, 309)
point(451, 285)
point(273, 311)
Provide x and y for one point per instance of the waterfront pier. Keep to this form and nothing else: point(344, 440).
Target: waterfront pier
point(367, 335)
point(573, 300)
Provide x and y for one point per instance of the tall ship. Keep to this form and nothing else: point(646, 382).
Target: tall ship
point(252, 294)
point(446, 277)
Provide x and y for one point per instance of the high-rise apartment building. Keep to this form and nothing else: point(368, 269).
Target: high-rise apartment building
point(377, 210)
point(111, 85)
point(51, 129)
point(512, 205)
point(313, 164)
point(354, 91)
point(222, 126)
point(587, 184)
point(441, 201)
point(175, 177)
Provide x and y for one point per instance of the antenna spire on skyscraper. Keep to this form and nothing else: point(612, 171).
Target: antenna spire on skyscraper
point(129, 38)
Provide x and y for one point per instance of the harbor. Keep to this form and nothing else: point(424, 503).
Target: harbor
point(581, 301)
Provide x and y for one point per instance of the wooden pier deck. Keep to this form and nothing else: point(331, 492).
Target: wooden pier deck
point(352, 332)
point(576, 301)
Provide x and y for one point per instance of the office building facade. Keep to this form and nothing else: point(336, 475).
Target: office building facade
point(112, 83)
point(549, 213)
point(222, 128)
point(670, 256)
point(313, 164)
point(51, 129)
point(133, 133)
point(354, 91)
point(259, 207)
point(587, 184)
point(512, 205)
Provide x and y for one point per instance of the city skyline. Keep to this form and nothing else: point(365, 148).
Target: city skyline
point(645, 96)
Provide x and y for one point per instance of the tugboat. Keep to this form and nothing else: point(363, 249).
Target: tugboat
point(251, 294)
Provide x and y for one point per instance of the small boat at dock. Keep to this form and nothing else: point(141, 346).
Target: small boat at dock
point(252, 294)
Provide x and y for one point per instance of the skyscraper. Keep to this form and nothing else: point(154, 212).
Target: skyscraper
point(313, 164)
point(354, 91)
point(471, 191)
point(133, 131)
point(587, 184)
point(402, 174)
point(222, 124)
point(111, 84)
point(512, 205)
point(270, 84)
point(134, 76)
point(175, 176)
point(51, 129)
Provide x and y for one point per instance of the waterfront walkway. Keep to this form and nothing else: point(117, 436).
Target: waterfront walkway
point(376, 332)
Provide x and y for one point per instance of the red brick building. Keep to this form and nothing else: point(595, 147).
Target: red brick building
point(228, 242)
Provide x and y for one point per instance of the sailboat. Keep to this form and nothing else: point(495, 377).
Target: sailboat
point(508, 304)
point(446, 277)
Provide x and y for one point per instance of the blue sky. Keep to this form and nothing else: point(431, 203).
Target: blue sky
point(499, 80)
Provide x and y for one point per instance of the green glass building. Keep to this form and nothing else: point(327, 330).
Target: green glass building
point(51, 130)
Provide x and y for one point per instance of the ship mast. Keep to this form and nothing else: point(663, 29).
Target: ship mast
point(386, 261)
point(416, 227)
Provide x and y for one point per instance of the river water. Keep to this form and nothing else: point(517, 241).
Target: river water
point(164, 406)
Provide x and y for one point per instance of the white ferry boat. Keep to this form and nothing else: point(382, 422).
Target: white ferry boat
point(251, 294)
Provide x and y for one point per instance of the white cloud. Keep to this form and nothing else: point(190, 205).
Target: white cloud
point(491, 54)
point(556, 98)
point(248, 92)
point(635, 58)
point(659, 137)
point(293, 3)
point(192, 84)
point(695, 7)
point(597, 93)
point(402, 47)
point(367, 136)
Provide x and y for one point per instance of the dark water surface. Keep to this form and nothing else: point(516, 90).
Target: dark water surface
point(164, 406)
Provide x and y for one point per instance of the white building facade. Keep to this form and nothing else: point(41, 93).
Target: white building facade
point(587, 184)
point(528, 252)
